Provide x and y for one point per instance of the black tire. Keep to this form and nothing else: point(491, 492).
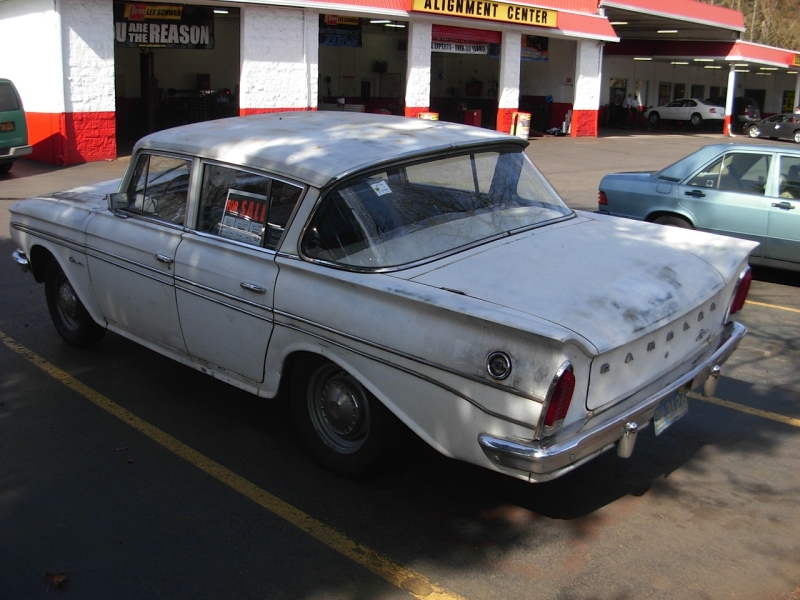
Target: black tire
point(796, 137)
point(696, 120)
point(673, 221)
point(654, 118)
point(358, 436)
point(73, 323)
point(753, 131)
point(6, 167)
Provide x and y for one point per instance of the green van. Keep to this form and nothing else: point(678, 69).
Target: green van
point(13, 127)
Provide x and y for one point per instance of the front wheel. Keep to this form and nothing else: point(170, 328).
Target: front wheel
point(753, 131)
point(697, 120)
point(72, 320)
point(673, 221)
point(796, 137)
point(343, 426)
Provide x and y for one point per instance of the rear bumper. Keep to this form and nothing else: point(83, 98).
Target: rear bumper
point(14, 152)
point(575, 445)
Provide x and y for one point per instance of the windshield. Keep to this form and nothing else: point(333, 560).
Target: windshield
point(417, 211)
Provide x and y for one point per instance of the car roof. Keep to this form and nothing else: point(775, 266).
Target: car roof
point(317, 146)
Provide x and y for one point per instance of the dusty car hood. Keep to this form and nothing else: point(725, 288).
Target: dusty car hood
point(608, 280)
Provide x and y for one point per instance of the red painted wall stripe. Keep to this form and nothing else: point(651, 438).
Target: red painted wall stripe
point(72, 138)
point(584, 123)
point(243, 112)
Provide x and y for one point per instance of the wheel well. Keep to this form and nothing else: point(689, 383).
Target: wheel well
point(666, 213)
point(39, 259)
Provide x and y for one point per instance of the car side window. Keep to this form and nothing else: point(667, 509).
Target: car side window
point(247, 207)
point(159, 187)
point(735, 172)
point(789, 186)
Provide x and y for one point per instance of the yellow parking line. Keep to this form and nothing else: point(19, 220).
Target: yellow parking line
point(414, 583)
point(746, 409)
point(775, 306)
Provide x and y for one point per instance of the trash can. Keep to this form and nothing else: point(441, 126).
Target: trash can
point(521, 124)
point(473, 117)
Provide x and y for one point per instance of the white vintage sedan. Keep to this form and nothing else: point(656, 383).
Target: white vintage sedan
point(393, 274)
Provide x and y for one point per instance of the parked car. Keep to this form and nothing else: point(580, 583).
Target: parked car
point(13, 127)
point(746, 110)
point(392, 273)
point(749, 192)
point(784, 126)
point(694, 110)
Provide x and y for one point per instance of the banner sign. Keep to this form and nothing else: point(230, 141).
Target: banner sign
point(339, 31)
point(534, 47)
point(491, 11)
point(140, 25)
point(459, 48)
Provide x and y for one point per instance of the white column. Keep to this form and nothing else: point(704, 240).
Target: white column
point(796, 92)
point(279, 59)
point(588, 86)
point(418, 69)
point(508, 85)
point(729, 116)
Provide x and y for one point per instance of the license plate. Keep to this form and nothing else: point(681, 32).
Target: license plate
point(9, 126)
point(670, 409)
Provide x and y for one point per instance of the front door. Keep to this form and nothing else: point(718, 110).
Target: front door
point(132, 252)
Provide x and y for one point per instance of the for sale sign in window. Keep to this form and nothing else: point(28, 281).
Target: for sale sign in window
point(244, 217)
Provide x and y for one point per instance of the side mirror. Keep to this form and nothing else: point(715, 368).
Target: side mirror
point(117, 200)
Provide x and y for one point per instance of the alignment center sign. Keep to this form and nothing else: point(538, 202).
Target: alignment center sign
point(492, 11)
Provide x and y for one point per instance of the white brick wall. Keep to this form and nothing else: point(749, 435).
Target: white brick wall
point(30, 47)
point(88, 53)
point(588, 74)
point(509, 70)
point(418, 73)
point(279, 58)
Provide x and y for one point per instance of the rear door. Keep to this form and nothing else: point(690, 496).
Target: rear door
point(225, 267)
point(782, 240)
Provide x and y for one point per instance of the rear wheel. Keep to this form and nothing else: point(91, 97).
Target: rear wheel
point(796, 137)
point(654, 118)
point(72, 321)
point(343, 426)
point(6, 166)
point(697, 120)
point(753, 131)
point(673, 221)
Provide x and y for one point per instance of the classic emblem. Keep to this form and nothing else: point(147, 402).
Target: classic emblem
point(498, 364)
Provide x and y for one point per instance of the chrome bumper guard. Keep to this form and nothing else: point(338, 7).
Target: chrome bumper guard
point(22, 260)
point(573, 446)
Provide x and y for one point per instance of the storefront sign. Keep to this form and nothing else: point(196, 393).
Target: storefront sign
point(491, 11)
point(139, 25)
point(459, 48)
point(534, 47)
point(796, 60)
point(339, 31)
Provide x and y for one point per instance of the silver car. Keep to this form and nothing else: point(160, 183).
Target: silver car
point(746, 191)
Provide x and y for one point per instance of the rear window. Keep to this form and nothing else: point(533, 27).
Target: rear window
point(8, 98)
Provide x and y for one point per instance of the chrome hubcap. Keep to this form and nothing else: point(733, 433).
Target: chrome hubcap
point(68, 305)
point(339, 410)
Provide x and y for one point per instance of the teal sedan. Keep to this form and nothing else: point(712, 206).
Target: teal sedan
point(748, 192)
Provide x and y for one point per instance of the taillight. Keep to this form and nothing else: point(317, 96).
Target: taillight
point(740, 294)
point(712, 110)
point(559, 400)
point(601, 199)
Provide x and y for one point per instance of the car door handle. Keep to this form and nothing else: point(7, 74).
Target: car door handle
point(164, 259)
point(253, 287)
point(786, 205)
point(695, 193)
